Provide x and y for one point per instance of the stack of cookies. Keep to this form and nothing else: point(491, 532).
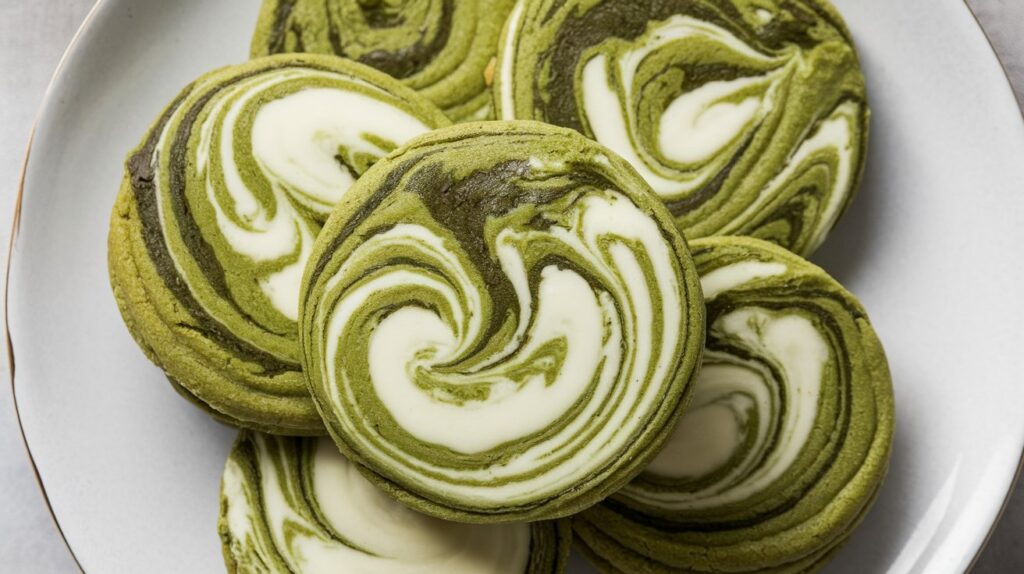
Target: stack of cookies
point(482, 281)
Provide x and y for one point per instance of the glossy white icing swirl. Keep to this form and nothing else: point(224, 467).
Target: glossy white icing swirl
point(567, 310)
point(271, 191)
point(697, 126)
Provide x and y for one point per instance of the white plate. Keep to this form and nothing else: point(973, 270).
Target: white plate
point(931, 246)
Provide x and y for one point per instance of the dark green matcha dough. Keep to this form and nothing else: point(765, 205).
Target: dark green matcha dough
point(444, 49)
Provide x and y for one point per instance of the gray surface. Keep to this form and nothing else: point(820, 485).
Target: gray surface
point(1003, 21)
point(32, 37)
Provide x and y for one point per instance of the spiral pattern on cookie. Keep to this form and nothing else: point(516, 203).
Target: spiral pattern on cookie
point(500, 322)
point(444, 49)
point(295, 505)
point(786, 441)
point(218, 212)
point(746, 117)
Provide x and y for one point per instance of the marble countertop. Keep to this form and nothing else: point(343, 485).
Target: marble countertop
point(32, 38)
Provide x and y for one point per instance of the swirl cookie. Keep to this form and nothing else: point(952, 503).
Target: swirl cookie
point(296, 505)
point(500, 322)
point(747, 117)
point(217, 214)
point(444, 49)
point(786, 442)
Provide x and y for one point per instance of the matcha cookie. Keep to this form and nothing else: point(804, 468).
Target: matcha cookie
point(747, 117)
point(500, 322)
point(444, 49)
point(785, 443)
point(217, 215)
point(296, 505)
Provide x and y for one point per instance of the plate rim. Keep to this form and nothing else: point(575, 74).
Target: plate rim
point(44, 105)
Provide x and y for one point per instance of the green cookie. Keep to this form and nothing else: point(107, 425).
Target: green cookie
point(747, 117)
point(217, 214)
point(786, 442)
point(444, 49)
point(296, 505)
point(500, 323)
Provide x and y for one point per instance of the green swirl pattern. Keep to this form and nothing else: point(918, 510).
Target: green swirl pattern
point(217, 214)
point(295, 505)
point(786, 442)
point(444, 49)
point(747, 117)
point(500, 323)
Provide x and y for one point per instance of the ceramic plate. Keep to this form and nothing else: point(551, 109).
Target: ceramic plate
point(931, 246)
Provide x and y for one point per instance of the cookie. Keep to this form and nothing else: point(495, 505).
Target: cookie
point(747, 117)
point(217, 214)
point(786, 442)
point(500, 323)
point(294, 504)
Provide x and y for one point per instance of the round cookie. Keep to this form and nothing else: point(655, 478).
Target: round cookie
point(785, 443)
point(747, 117)
point(216, 217)
point(444, 49)
point(500, 322)
point(296, 505)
